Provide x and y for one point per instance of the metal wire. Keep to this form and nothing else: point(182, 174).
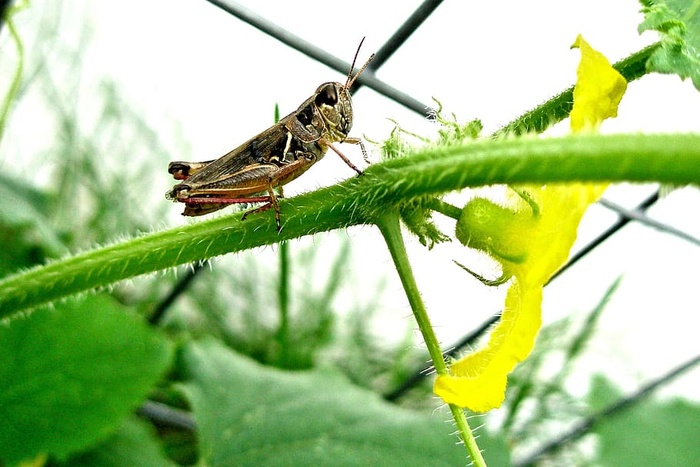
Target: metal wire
point(156, 317)
point(622, 404)
point(312, 51)
point(649, 222)
point(403, 33)
point(167, 416)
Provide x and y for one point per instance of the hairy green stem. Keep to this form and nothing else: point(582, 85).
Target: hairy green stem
point(671, 159)
point(283, 290)
point(283, 298)
point(444, 208)
point(391, 231)
point(390, 228)
point(558, 107)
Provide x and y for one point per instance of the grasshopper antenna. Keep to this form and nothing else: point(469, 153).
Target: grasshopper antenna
point(351, 78)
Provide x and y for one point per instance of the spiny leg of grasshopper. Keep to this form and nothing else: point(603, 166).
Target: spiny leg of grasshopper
point(353, 140)
point(275, 179)
point(270, 202)
point(345, 159)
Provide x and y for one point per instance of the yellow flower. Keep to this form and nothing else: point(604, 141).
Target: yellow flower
point(530, 237)
point(598, 91)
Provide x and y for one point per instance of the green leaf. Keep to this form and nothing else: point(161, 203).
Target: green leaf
point(70, 375)
point(133, 444)
point(248, 414)
point(25, 228)
point(651, 433)
point(678, 23)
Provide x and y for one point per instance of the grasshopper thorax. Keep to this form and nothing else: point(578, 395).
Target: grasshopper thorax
point(334, 104)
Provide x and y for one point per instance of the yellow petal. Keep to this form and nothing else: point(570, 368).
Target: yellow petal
point(550, 238)
point(531, 237)
point(538, 227)
point(478, 381)
point(598, 91)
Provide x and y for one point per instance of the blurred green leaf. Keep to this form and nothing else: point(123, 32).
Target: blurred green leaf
point(134, 443)
point(251, 415)
point(70, 375)
point(678, 23)
point(647, 434)
point(25, 231)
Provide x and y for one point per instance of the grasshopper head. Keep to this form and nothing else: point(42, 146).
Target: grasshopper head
point(333, 101)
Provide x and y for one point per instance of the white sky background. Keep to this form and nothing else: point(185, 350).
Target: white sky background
point(202, 77)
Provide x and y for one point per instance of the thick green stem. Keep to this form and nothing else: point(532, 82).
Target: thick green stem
point(283, 290)
point(391, 231)
point(666, 158)
point(389, 225)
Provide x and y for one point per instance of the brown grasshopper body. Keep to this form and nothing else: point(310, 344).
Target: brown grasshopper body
point(275, 157)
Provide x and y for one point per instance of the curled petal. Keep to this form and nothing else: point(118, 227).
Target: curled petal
point(478, 381)
point(598, 91)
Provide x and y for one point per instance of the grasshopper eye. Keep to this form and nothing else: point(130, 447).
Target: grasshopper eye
point(327, 95)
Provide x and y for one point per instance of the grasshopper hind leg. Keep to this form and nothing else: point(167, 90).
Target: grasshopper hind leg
point(272, 203)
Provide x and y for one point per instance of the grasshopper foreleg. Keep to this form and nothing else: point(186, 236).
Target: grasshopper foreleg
point(344, 157)
point(352, 140)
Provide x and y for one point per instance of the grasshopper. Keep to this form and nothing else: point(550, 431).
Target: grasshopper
point(251, 172)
